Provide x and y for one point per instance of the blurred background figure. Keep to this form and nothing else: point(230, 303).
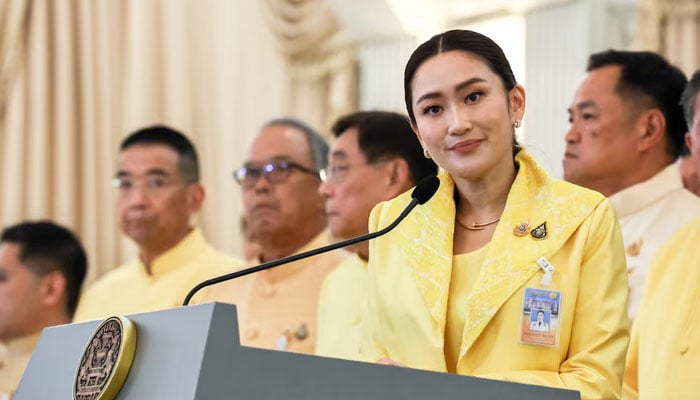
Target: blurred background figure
point(42, 268)
point(664, 352)
point(627, 131)
point(159, 194)
point(284, 215)
point(375, 157)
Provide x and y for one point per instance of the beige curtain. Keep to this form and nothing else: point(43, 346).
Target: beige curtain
point(76, 76)
point(321, 60)
point(672, 27)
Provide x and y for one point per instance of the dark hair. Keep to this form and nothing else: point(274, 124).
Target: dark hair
point(317, 144)
point(646, 75)
point(462, 40)
point(382, 135)
point(166, 136)
point(689, 96)
point(46, 247)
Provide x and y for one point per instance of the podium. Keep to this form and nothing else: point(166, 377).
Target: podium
point(193, 352)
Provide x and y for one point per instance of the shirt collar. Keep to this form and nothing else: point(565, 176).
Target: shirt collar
point(189, 248)
point(641, 195)
point(21, 345)
point(284, 271)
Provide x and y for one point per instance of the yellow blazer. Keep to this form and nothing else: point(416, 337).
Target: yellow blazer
point(409, 278)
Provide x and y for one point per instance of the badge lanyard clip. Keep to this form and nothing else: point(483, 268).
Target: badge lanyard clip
point(548, 269)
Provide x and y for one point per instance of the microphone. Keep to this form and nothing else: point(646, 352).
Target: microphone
point(424, 190)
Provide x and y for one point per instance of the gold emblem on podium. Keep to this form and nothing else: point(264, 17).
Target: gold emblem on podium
point(106, 360)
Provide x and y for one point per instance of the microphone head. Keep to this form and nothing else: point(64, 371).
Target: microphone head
point(425, 189)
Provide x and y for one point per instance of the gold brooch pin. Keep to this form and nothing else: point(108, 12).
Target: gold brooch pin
point(301, 333)
point(540, 232)
point(634, 248)
point(521, 229)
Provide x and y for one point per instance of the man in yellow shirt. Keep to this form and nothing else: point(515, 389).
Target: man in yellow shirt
point(283, 216)
point(664, 353)
point(42, 267)
point(158, 194)
point(375, 157)
point(626, 133)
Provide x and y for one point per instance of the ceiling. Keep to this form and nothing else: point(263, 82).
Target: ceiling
point(373, 18)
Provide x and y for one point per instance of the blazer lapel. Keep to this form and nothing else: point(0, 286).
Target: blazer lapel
point(427, 249)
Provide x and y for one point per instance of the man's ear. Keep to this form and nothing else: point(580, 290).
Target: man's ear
point(52, 290)
point(398, 178)
point(195, 197)
point(651, 125)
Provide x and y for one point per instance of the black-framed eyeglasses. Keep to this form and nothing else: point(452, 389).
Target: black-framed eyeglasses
point(336, 174)
point(275, 172)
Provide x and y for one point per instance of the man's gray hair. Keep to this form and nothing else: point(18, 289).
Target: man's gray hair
point(317, 144)
point(688, 98)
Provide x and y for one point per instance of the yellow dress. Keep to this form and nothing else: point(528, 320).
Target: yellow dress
point(464, 272)
point(409, 275)
point(664, 355)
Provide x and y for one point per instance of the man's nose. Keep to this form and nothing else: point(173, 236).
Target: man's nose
point(572, 135)
point(325, 189)
point(137, 196)
point(262, 184)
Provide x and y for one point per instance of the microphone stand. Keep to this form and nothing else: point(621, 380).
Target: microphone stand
point(284, 260)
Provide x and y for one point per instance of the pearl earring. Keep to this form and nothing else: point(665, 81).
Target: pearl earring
point(426, 154)
point(518, 123)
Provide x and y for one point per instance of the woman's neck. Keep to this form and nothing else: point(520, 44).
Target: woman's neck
point(483, 199)
point(479, 205)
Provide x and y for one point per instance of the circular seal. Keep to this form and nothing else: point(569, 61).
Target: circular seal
point(106, 360)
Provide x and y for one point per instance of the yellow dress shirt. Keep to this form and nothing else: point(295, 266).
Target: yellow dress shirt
point(277, 308)
point(650, 212)
point(14, 357)
point(664, 355)
point(130, 289)
point(339, 310)
point(410, 268)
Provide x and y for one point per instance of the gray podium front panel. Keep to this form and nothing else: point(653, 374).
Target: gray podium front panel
point(194, 353)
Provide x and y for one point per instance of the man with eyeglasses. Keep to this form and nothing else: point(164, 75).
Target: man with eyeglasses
point(158, 194)
point(375, 157)
point(284, 215)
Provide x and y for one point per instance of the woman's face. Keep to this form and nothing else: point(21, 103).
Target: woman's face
point(464, 117)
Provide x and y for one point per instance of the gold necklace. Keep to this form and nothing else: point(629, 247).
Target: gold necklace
point(476, 226)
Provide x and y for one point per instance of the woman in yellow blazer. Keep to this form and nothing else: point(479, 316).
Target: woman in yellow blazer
point(457, 284)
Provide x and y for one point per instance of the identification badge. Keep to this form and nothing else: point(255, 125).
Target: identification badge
point(540, 319)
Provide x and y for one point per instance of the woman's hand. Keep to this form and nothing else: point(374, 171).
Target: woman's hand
point(389, 361)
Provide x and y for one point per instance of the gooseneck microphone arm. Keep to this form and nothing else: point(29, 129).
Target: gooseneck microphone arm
point(422, 193)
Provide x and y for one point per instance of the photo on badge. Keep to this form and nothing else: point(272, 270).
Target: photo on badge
point(540, 317)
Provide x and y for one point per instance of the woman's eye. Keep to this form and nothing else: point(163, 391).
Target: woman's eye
point(432, 110)
point(472, 97)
